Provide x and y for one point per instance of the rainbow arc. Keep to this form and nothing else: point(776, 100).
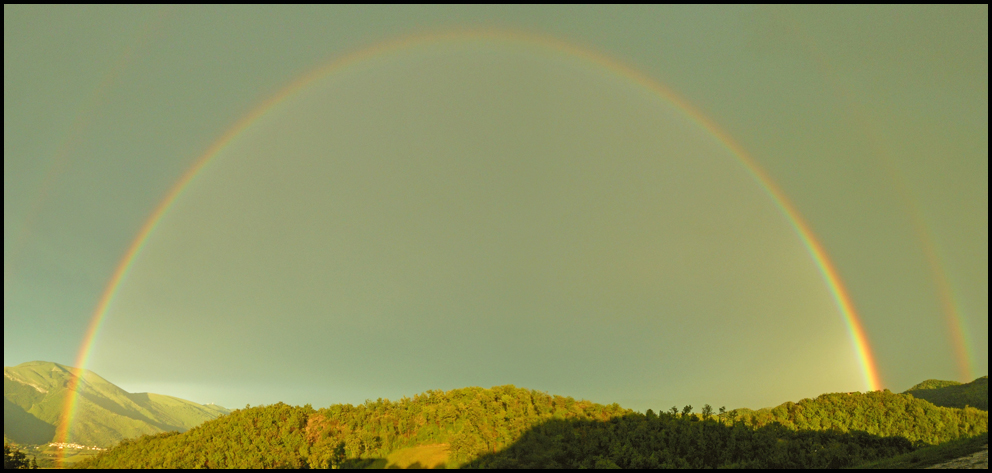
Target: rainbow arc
point(816, 250)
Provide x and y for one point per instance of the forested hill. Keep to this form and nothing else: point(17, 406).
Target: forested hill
point(511, 427)
point(34, 394)
point(464, 422)
point(879, 413)
point(954, 394)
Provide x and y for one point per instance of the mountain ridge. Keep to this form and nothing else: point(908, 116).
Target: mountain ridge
point(953, 394)
point(35, 394)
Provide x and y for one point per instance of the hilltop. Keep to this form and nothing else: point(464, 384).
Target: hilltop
point(34, 394)
point(954, 394)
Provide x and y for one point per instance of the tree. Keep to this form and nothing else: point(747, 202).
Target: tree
point(686, 411)
point(707, 411)
point(337, 458)
point(14, 459)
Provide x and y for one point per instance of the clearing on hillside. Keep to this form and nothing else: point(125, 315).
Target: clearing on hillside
point(421, 456)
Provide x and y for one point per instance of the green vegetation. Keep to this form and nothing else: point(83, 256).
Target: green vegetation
point(500, 427)
point(467, 422)
point(51, 457)
point(679, 441)
point(262, 437)
point(831, 431)
point(14, 459)
point(471, 421)
point(933, 455)
point(954, 394)
point(423, 456)
point(35, 393)
point(880, 413)
point(510, 427)
point(933, 384)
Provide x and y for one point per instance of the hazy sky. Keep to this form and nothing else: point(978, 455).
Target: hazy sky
point(487, 211)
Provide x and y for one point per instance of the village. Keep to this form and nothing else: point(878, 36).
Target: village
point(72, 446)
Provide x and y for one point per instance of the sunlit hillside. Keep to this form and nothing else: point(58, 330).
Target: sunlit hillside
point(507, 426)
point(954, 394)
point(35, 393)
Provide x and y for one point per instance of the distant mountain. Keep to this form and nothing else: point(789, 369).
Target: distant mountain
point(933, 384)
point(34, 394)
point(954, 394)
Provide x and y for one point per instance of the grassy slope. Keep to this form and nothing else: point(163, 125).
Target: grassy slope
point(423, 456)
point(35, 394)
point(954, 394)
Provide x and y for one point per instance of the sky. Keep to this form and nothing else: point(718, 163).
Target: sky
point(333, 204)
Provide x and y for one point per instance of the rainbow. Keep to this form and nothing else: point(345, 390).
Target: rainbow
point(840, 294)
point(963, 351)
point(60, 161)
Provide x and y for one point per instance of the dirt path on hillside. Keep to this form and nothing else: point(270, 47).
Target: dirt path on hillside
point(974, 461)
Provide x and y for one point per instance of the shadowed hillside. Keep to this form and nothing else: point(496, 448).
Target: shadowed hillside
point(35, 393)
point(672, 441)
point(24, 427)
point(954, 394)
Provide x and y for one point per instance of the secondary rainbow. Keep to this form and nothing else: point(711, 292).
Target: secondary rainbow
point(815, 248)
point(961, 343)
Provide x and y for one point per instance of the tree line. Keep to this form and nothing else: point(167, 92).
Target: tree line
point(509, 426)
point(952, 394)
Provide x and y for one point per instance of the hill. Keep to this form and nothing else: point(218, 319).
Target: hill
point(445, 427)
point(880, 413)
point(507, 426)
point(35, 393)
point(954, 394)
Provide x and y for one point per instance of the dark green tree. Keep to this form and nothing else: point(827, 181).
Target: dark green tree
point(14, 459)
point(338, 456)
